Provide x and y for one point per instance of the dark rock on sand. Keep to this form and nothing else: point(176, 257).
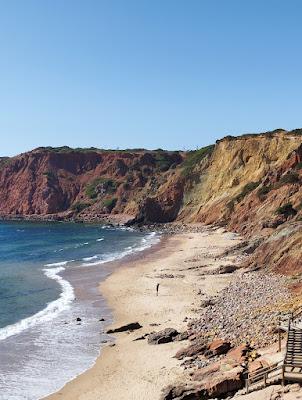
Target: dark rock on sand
point(78, 319)
point(129, 327)
point(189, 391)
point(141, 337)
point(181, 336)
point(207, 302)
point(222, 269)
point(165, 336)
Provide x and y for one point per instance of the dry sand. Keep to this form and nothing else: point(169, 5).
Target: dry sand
point(134, 369)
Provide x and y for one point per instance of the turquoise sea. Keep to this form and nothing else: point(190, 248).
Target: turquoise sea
point(49, 273)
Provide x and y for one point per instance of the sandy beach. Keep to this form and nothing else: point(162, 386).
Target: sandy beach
point(135, 369)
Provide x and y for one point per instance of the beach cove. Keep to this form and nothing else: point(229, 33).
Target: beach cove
point(134, 369)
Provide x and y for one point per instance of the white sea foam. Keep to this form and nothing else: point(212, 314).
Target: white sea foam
point(58, 264)
point(67, 295)
point(49, 312)
point(100, 239)
point(147, 242)
point(80, 245)
point(89, 258)
point(57, 343)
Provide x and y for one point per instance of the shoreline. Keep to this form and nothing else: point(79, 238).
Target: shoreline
point(76, 327)
point(128, 369)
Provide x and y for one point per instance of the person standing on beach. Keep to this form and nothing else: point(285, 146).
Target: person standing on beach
point(157, 287)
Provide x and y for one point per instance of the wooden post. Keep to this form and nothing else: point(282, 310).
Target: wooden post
point(288, 325)
point(283, 375)
point(247, 385)
point(279, 334)
point(264, 379)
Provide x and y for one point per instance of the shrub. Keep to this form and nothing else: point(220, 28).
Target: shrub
point(248, 188)
point(4, 161)
point(286, 210)
point(79, 206)
point(110, 203)
point(49, 174)
point(263, 191)
point(231, 205)
point(108, 186)
point(67, 149)
point(162, 160)
point(290, 178)
point(299, 165)
point(195, 157)
point(296, 132)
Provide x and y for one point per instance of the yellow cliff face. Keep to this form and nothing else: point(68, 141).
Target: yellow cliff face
point(235, 168)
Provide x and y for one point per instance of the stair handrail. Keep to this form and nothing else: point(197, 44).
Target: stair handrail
point(297, 312)
point(255, 376)
point(292, 315)
point(290, 320)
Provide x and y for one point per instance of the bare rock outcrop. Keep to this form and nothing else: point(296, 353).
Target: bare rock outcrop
point(213, 381)
point(165, 336)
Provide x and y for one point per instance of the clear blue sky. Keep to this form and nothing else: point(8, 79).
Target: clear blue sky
point(157, 73)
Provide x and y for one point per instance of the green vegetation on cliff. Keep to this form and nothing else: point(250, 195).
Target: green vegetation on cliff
point(194, 157)
point(110, 203)
point(79, 206)
point(100, 186)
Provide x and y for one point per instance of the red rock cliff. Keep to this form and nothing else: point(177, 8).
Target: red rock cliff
point(251, 184)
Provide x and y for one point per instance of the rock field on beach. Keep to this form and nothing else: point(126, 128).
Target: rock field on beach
point(246, 310)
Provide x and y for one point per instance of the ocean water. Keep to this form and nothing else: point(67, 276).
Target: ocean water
point(49, 275)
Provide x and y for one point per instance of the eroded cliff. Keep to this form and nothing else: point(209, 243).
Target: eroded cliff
point(251, 184)
point(83, 183)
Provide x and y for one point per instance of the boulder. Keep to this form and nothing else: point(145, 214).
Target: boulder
point(207, 303)
point(181, 336)
point(189, 391)
point(129, 327)
point(238, 355)
point(165, 336)
point(143, 337)
point(212, 383)
point(191, 351)
point(224, 383)
point(217, 347)
point(206, 372)
point(226, 269)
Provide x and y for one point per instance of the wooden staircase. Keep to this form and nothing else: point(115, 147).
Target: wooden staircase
point(291, 367)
